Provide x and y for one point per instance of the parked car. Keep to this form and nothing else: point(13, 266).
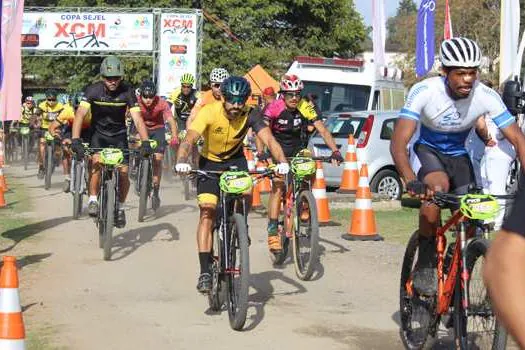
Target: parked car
point(372, 131)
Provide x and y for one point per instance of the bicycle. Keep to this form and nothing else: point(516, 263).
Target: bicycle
point(231, 265)
point(11, 149)
point(144, 182)
point(25, 135)
point(49, 158)
point(93, 40)
point(457, 287)
point(300, 221)
point(79, 182)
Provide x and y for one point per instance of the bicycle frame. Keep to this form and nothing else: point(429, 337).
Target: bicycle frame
point(289, 196)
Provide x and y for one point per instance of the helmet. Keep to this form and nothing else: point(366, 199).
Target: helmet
point(218, 75)
point(30, 99)
point(460, 52)
point(187, 78)
point(77, 98)
point(291, 83)
point(236, 89)
point(111, 67)
point(51, 93)
point(148, 89)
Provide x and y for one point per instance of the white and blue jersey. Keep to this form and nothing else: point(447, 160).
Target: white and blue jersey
point(445, 122)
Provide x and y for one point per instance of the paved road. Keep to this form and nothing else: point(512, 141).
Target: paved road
point(145, 297)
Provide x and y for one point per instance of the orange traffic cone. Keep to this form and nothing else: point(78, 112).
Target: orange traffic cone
point(249, 158)
point(363, 224)
point(256, 198)
point(3, 183)
point(319, 192)
point(265, 185)
point(350, 177)
point(12, 331)
point(3, 204)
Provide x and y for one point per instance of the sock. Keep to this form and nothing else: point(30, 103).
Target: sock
point(273, 223)
point(204, 259)
point(92, 199)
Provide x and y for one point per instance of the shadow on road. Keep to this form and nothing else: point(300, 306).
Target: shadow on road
point(129, 241)
point(339, 248)
point(20, 233)
point(29, 260)
point(264, 292)
point(169, 209)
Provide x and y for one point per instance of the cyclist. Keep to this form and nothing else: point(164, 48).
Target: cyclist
point(62, 126)
point(108, 100)
point(447, 108)
point(183, 99)
point(156, 113)
point(288, 118)
point(48, 111)
point(217, 76)
point(223, 127)
point(27, 112)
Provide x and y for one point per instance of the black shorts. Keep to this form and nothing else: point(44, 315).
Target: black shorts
point(515, 221)
point(99, 140)
point(208, 190)
point(458, 168)
point(158, 135)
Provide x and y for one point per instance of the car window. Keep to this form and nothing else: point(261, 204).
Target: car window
point(375, 103)
point(338, 97)
point(387, 129)
point(342, 127)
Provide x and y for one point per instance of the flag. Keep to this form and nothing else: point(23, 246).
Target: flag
point(509, 37)
point(379, 31)
point(11, 64)
point(425, 37)
point(447, 32)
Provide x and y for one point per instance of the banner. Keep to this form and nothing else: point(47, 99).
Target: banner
point(379, 27)
point(178, 49)
point(425, 37)
point(509, 39)
point(87, 31)
point(447, 31)
point(11, 64)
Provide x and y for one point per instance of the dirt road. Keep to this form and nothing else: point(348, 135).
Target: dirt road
point(146, 298)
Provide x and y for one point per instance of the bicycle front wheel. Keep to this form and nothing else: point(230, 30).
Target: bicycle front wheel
point(49, 166)
point(476, 327)
point(144, 178)
point(216, 297)
point(77, 189)
point(110, 216)
point(238, 276)
point(305, 240)
point(25, 150)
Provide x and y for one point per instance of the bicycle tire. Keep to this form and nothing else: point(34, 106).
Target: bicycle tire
point(186, 188)
point(110, 217)
point(464, 338)
point(423, 337)
point(25, 151)
point(238, 302)
point(77, 190)
point(49, 166)
point(216, 297)
point(304, 268)
point(101, 218)
point(144, 178)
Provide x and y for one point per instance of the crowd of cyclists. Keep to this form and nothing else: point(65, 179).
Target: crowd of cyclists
point(209, 130)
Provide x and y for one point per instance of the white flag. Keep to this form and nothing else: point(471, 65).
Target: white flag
point(379, 31)
point(509, 37)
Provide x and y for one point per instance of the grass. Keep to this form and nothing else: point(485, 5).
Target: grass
point(392, 225)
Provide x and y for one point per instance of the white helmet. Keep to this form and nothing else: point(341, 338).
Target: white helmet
point(218, 75)
point(460, 52)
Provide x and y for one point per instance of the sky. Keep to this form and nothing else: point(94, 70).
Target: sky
point(365, 8)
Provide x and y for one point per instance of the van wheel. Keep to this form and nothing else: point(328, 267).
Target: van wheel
point(387, 183)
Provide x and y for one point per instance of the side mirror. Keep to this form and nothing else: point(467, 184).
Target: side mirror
point(512, 96)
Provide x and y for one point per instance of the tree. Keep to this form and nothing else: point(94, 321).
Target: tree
point(266, 32)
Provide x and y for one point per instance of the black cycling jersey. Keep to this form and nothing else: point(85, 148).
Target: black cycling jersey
point(184, 104)
point(108, 109)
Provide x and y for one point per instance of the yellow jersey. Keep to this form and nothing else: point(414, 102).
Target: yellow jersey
point(67, 116)
point(49, 113)
point(223, 138)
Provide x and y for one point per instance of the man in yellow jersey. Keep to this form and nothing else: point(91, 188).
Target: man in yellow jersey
point(48, 111)
point(63, 127)
point(223, 126)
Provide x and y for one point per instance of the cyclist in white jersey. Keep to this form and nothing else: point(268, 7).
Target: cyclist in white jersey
point(446, 109)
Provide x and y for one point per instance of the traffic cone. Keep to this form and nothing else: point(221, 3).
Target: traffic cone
point(249, 158)
point(350, 177)
point(319, 192)
point(3, 183)
point(12, 331)
point(256, 198)
point(363, 223)
point(265, 185)
point(3, 203)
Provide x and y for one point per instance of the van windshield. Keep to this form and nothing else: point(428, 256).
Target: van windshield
point(338, 97)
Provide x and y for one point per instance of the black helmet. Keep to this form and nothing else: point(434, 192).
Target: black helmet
point(51, 93)
point(236, 89)
point(77, 98)
point(148, 89)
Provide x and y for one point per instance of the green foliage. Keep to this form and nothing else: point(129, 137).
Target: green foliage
point(266, 32)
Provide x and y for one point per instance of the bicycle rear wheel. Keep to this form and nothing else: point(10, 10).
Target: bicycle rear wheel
point(238, 278)
point(418, 313)
point(144, 178)
point(49, 166)
point(110, 216)
point(78, 178)
point(477, 328)
point(305, 240)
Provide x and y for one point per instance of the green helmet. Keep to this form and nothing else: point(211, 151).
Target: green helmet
point(111, 67)
point(187, 78)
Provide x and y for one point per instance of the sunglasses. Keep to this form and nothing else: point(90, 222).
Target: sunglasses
point(50, 99)
point(235, 99)
point(292, 94)
point(112, 79)
point(216, 85)
point(187, 86)
point(148, 97)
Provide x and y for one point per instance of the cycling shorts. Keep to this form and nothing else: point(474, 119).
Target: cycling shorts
point(458, 168)
point(158, 135)
point(515, 221)
point(99, 140)
point(208, 190)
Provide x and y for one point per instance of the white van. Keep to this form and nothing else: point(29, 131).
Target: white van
point(347, 85)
